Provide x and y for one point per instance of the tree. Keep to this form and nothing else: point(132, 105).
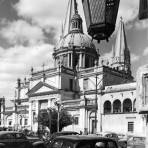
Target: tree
point(49, 118)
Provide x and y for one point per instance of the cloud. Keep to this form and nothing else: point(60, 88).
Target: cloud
point(43, 12)
point(128, 10)
point(17, 61)
point(134, 57)
point(145, 51)
point(21, 32)
point(141, 24)
point(107, 55)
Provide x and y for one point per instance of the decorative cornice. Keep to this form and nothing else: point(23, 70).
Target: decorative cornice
point(44, 93)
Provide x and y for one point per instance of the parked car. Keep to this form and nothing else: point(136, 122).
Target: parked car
point(62, 133)
point(82, 141)
point(122, 142)
point(136, 142)
point(13, 139)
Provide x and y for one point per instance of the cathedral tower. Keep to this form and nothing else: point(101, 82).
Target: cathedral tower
point(75, 49)
point(121, 53)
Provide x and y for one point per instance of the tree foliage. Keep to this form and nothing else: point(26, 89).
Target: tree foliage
point(49, 118)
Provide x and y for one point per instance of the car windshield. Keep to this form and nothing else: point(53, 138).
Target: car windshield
point(62, 144)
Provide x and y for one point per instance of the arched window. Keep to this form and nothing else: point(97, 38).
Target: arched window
point(134, 105)
point(117, 106)
point(107, 107)
point(127, 105)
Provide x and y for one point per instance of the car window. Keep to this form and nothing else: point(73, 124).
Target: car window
point(139, 140)
point(67, 145)
point(111, 145)
point(100, 144)
point(84, 145)
point(57, 144)
point(20, 136)
point(7, 136)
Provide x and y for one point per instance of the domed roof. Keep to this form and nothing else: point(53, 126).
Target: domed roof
point(76, 16)
point(76, 39)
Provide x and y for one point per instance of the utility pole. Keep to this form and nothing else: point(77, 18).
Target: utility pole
point(96, 106)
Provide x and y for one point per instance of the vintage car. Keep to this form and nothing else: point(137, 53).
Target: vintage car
point(62, 133)
point(82, 141)
point(122, 142)
point(136, 142)
point(13, 139)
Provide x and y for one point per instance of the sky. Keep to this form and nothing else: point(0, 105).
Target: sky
point(29, 30)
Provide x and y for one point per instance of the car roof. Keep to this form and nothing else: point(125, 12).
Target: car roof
point(8, 132)
point(66, 132)
point(83, 138)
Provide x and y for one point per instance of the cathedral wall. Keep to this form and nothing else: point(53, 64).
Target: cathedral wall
point(53, 81)
point(114, 78)
point(66, 79)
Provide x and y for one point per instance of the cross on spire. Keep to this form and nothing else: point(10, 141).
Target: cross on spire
point(43, 66)
point(121, 18)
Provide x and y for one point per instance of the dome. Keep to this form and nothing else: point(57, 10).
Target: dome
point(76, 16)
point(77, 40)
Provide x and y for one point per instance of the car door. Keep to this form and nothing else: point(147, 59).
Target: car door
point(8, 140)
point(56, 144)
point(21, 141)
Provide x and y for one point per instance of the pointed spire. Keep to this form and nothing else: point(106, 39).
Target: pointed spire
point(121, 58)
point(113, 52)
point(69, 13)
point(72, 16)
point(121, 43)
point(62, 31)
point(76, 7)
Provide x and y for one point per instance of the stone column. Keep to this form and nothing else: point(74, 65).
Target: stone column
point(99, 114)
point(121, 107)
point(71, 60)
point(36, 113)
point(30, 120)
point(112, 108)
point(68, 62)
point(80, 60)
point(83, 60)
point(49, 103)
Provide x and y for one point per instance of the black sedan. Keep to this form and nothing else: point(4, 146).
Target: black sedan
point(81, 141)
point(13, 139)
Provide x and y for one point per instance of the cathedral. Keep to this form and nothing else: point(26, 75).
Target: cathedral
point(100, 94)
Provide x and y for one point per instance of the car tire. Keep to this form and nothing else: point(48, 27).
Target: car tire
point(124, 145)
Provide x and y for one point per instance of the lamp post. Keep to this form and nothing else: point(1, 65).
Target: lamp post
point(100, 17)
point(58, 118)
point(49, 110)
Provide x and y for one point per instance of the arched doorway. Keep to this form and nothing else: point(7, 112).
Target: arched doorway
point(117, 106)
point(92, 128)
point(127, 105)
point(107, 107)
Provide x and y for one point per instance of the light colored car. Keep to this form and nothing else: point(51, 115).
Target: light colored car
point(136, 142)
